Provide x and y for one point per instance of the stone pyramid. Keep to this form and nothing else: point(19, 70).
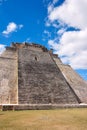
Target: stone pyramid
point(30, 74)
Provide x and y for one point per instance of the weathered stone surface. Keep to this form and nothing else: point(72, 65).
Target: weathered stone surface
point(40, 80)
point(8, 77)
point(75, 81)
point(30, 74)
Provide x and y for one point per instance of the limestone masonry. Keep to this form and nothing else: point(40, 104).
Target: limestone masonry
point(32, 75)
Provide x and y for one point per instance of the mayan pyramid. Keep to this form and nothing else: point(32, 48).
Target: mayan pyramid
point(30, 74)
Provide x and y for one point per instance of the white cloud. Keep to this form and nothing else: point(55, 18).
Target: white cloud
point(51, 6)
point(79, 61)
point(55, 1)
point(47, 33)
point(72, 46)
point(2, 48)
point(72, 12)
point(73, 42)
point(11, 27)
point(53, 45)
point(61, 31)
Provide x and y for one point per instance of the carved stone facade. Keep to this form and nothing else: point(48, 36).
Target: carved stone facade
point(31, 74)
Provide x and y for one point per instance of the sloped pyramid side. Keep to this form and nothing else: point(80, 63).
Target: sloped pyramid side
point(30, 74)
point(76, 82)
point(40, 81)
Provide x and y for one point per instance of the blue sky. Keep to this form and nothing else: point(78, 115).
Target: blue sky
point(57, 24)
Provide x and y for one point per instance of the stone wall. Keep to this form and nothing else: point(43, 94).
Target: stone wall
point(32, 75)
point(78, 85)
point(40, 81)
point(8, 77)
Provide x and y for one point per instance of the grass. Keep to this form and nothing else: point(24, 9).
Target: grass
point(61, 119)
